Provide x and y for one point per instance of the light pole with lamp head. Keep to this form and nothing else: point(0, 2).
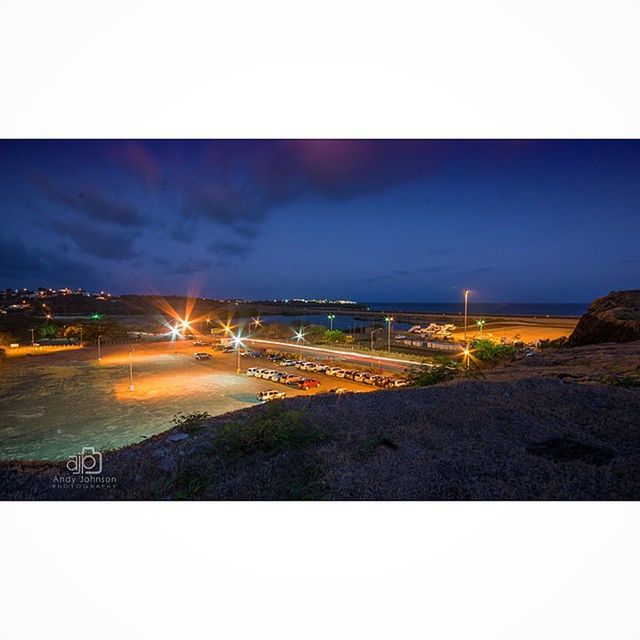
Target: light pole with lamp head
point(331, 318)
point(300, 338)
point(389, 321)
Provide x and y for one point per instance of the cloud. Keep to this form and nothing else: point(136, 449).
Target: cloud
point(247, 180)
point(189, 267)
point(93, 204)
point(230, 249)
point(181, 234)
point(96, 241)
point(18, 259)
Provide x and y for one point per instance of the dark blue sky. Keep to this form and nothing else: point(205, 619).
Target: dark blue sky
point(515, 221)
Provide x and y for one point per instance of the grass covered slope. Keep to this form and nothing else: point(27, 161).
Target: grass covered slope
point(526, 431)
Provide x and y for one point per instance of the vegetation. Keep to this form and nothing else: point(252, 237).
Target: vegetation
point(558, 342)
point(190, 422)
point(443, 369)
point(335, 336)
point(490, 352)
point(274, 430)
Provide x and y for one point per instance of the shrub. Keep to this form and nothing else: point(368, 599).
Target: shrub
point(444, 369)
point(190, 422)
point(274, 430)
point(490, 352)
point(558, 342)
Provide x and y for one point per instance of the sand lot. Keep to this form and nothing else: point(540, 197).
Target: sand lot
point(52, 406)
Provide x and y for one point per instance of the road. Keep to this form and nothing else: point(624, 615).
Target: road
point(335, 355)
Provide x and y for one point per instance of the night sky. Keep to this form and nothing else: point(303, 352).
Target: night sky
point(515, 221)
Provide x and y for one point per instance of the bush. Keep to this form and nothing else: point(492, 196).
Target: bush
point(275, 430)
point(558, 342)
point(190, 422)
point(335, 336)
point(490, 352)
point(443, 370)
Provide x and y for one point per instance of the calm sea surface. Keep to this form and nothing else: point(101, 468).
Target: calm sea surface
point(346, 322)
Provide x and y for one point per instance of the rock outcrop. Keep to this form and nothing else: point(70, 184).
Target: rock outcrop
point(613, 318)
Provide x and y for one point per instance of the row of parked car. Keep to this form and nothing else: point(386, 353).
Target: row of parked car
point(283, 377)
point(339, 372)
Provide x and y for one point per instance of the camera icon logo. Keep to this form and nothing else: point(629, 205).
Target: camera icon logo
point(87, 461)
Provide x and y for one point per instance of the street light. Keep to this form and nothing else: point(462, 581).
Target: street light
point(300, 338)
point(237, 342)
point(466, 304)
point(373, 332)
point(331, 317)
point(99, 354)
point(481, 324)
point(389, 321)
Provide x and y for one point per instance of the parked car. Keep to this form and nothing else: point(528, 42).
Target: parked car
point(266, 374)
point(286, 377)
point(202, 356)
point(383, 381)
point(321, 368)
point(371, 379)
point(340, 373)
point(228, 349)
point(251, 371)
point(287, 363)
point(360, 376)
point(350, 374)
point(310, 366)
point(273, 375)
point(309, 383)
point(331, 371)
point(271, 394)
point(294, 381)
point(199, 343)
point(400, 382)
point(338, 390)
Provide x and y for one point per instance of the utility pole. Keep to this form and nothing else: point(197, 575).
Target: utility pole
point(33, 340)
point(99, 354)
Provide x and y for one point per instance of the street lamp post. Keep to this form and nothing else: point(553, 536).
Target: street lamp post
point(33, 340)
point(99, 354)
point(130, 369)
point(300, 339)
point(331, 317)
point(81, 337)
point(373, 332)
point(389, 321)
point(466, 304)
point(481, 324)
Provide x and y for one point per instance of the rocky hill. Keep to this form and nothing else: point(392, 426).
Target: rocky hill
point(561, 425)
point(612, 318)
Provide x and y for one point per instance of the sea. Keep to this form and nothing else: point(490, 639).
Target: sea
point(347, 322)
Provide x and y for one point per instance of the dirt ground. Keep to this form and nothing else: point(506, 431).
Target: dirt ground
point(51, 407)
point(527, 330)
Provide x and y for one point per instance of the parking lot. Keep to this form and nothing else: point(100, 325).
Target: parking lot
point(53, 405)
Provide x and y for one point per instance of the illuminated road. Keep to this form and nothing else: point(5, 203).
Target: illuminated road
point(390, 363)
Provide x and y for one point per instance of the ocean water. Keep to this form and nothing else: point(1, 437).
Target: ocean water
point(539, 309)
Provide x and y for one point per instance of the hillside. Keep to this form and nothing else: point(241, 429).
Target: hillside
point(560, 425)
